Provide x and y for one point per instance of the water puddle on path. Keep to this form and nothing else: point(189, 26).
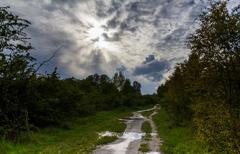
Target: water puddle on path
point(122, 147)
point(129, 142)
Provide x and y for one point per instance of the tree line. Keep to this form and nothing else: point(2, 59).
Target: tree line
point(204, 90)
point(29, 100)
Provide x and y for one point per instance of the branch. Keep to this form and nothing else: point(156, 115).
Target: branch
point(48, 60)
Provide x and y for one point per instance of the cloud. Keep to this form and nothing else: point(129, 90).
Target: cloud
point(152, 68)
point(101, 36)
point(149, 59)
point(114, 37)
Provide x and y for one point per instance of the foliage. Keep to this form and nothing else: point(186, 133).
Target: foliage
point(205, 88)
point(16, 69)
point(177, 139)
point(80, 137)
point(106, 140)
point(146, 127)
point(144, 148)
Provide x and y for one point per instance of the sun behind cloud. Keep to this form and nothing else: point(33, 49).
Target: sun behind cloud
point(95, 34)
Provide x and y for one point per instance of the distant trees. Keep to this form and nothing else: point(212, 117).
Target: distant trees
point(137, 86)
point(205, 88)
point(118, 80)
point(54, 100)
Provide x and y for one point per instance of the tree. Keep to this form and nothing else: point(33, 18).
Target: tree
point(206, 87)
point(137, 87)
point(118, 80)
point(216, 44)
point(16, 69)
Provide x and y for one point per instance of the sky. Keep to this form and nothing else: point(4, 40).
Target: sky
point(144, 39)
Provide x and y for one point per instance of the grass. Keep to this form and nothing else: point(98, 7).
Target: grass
point(106, 139)
point(147, 137)
point(147, 113)
point(177, 140)
point(146, 127)
point(144, 147)
point(80, 138)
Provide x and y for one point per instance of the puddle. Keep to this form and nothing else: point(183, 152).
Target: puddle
point(130, 140)
point(154, 134)
point(108, 133)
point(121, 147)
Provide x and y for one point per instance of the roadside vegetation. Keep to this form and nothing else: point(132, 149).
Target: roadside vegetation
point(177, 139)
point(146, 127)
point(147, 113)
point(79, 136)
point(106, 139)
point(201, 99)
point(144, 147)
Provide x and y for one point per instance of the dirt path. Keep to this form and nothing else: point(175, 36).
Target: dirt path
point(154, 143)
point(130, 141)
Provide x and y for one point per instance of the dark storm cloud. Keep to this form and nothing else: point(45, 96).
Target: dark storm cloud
point(152, 68)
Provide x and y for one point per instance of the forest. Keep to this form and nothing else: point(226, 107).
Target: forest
point(203, 92)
